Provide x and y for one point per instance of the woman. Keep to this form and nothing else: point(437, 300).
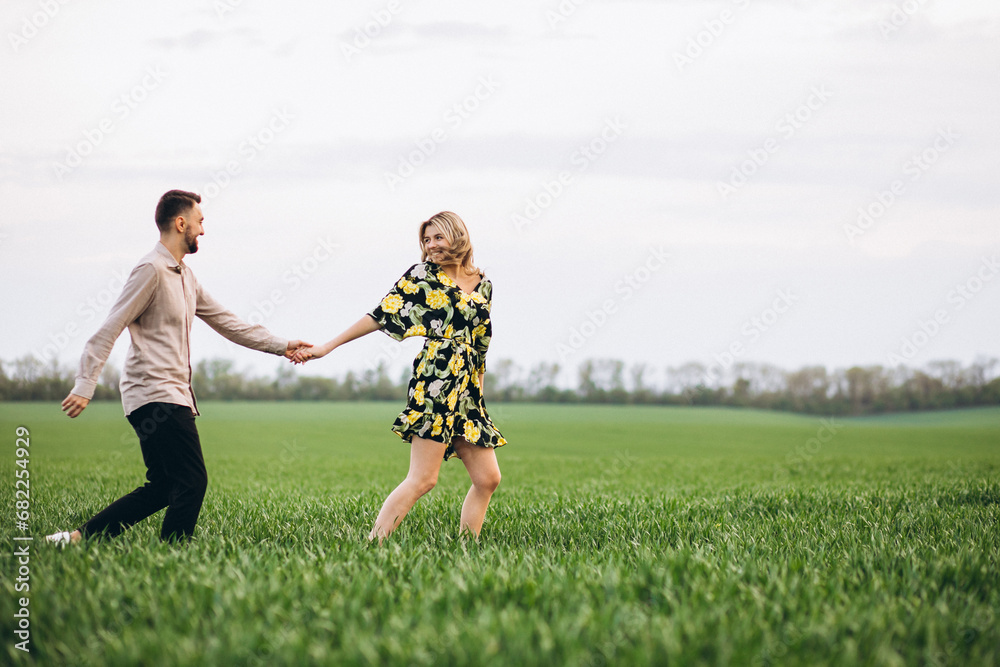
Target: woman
point(446, 299)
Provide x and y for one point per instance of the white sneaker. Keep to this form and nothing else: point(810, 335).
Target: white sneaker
point(59, 539)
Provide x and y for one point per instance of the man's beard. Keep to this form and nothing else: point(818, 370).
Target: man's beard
point(192, 243)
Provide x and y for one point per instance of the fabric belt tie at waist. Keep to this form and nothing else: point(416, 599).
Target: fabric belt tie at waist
point(468, 346)
point(454, 340)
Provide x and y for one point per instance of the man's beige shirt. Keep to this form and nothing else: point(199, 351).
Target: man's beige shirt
point(159, 302)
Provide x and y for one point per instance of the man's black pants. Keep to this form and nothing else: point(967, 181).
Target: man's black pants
point(175, 474)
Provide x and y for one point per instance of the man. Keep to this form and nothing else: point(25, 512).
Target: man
point(158, 303)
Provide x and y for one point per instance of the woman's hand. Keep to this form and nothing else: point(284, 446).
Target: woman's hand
point(295, 345)
point(304, 354)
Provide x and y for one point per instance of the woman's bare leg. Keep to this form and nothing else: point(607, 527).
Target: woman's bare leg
point(481, 462)
point(426, 457)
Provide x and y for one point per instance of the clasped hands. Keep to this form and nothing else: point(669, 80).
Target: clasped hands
point(299, 352)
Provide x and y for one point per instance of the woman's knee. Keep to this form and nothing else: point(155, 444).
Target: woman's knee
point(422, 484)
point(488, 480)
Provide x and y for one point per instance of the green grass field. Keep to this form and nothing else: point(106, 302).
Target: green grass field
point(619, 536)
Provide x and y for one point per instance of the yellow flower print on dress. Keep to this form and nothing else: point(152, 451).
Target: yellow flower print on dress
point(471, 432)
point(452, 400)
point(392, 303)
point(412, 418)
point(479, 331)
point(445, 280)
point(450, 421)
point(456, 363)
point(418, 394)
point(415, 330)
point(449, 332)
point(437, 299)
point(478, 298)
point(436, 427)
point(407, 286)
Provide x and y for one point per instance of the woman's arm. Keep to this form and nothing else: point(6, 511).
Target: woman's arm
point(362, 327)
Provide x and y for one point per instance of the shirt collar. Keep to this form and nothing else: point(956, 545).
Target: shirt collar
point(171, 262)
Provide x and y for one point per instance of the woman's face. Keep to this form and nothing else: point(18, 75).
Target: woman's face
point(434, 242)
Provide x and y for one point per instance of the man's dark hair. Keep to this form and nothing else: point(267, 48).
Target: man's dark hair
point(173, 204)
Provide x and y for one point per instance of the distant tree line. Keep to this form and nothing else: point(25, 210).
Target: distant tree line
point(857, 390)
point(813, 389)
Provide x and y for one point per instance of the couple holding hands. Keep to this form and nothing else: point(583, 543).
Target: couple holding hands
point(443, 298)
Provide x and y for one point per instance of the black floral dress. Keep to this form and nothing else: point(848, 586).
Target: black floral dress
point(445, 399)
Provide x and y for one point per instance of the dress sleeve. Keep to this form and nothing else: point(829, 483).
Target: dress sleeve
point(484, 332)
point(391, 313)
point(482, 344)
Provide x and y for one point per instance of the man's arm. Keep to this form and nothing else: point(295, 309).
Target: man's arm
point(253, 336)
point(136, 296)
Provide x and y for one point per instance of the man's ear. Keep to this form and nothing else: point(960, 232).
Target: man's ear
point(179, 223)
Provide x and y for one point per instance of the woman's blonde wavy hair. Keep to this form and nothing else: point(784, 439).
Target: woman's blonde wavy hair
point(459, 244)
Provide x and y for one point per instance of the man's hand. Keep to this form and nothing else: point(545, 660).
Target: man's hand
point(73, 405)
point(306, 353)
point(294, 346)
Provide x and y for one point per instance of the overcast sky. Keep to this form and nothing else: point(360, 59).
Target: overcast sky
point(784, 181)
